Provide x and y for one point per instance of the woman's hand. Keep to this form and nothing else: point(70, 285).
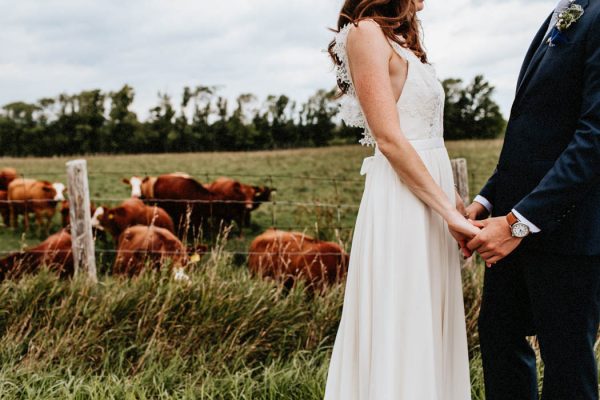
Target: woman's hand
point(463, 231)
point(460, 204)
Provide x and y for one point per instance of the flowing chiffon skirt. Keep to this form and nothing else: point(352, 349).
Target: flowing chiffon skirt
point(402, 333)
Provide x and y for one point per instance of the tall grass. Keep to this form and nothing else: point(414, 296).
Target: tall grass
point(226, 335)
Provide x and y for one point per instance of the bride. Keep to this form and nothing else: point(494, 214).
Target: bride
point(402, 333)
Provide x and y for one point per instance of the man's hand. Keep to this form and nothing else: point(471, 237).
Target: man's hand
point(494, 241)
point(476, 211)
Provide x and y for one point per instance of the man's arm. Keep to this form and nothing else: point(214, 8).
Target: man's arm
point(488, 193)
point(578, 168)
point(481, 206)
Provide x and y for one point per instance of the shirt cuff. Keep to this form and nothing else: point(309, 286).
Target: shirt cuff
point(484, 202)
point(532, 227)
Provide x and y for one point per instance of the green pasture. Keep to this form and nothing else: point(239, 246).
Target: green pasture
point(226, 335)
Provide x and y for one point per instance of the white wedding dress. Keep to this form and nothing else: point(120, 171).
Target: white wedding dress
point(402, 333)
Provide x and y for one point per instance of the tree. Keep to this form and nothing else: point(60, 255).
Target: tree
point(470, 112)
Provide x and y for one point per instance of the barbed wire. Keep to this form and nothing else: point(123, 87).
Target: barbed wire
point(145, 251)
point(127, 174)
point(194, 201)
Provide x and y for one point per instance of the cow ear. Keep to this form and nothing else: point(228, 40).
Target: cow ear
point(126, 181)
point(146, 179)
point(49, 189)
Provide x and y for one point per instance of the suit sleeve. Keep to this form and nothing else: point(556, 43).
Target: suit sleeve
point(578, 168)
point(489, 189)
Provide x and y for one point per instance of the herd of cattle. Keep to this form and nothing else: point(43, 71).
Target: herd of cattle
point(151, 226)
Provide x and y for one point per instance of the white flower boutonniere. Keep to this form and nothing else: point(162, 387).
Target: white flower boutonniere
point(566, 18)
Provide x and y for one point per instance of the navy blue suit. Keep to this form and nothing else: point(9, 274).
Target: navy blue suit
point(549, 171)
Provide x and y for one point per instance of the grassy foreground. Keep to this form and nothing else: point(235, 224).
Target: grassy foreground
point(225, 336)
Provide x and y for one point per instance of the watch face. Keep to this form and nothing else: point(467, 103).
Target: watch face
point(520, 230)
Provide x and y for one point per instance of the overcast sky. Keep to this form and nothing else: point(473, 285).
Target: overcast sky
point(261, 46)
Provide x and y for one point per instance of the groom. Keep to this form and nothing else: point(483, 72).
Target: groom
point(542, 243)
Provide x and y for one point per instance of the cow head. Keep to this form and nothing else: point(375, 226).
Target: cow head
point(96, 218)
point(136, 185)
point(60, 191)
point(261, 194)
point(111, 220)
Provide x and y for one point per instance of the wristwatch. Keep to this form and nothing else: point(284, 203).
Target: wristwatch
point(518, 228)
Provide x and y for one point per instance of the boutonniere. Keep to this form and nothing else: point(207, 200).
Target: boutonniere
point(566, 18)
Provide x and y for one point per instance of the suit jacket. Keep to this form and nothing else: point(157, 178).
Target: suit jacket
point(549, 167)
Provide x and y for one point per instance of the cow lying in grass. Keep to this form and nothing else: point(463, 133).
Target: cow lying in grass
point(130, 213)
point(291, 256)
point(54, 252)
point(142, 247)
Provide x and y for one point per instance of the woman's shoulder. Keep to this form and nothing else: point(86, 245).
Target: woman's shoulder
point(365, 28)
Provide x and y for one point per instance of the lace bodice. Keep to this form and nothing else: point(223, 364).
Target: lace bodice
point(421, 104)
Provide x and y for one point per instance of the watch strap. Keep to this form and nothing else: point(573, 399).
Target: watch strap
point(511, 218)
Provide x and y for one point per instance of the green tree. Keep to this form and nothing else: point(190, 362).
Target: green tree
point(470, 112)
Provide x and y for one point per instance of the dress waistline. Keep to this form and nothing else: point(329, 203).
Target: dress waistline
point(421, 144)
point(418, 144)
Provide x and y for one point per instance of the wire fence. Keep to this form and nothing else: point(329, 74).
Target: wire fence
point(5, 203)
point(204, 174)
point(334, 220)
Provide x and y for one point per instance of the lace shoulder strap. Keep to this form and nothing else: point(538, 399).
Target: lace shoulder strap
point(349, 107)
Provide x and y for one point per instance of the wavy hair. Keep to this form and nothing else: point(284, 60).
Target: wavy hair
point(395, 17)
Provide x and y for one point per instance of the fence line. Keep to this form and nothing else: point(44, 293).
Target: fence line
point(460, 176)
point(115, 200)
point(114, 251)
point(194, 174)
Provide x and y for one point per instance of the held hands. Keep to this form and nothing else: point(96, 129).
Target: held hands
point(495, 240)
point(463, 231)
point(476, 211)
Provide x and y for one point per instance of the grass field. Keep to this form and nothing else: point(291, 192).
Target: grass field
point(227, 336)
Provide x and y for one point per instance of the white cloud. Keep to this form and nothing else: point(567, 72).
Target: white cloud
point(259, 46)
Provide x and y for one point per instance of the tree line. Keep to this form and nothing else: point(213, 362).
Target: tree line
point(94, 121)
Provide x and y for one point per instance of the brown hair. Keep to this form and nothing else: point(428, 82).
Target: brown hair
point(395, 17)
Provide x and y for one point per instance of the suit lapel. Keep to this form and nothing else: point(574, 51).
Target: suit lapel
point(536, 53)
point(535, 49)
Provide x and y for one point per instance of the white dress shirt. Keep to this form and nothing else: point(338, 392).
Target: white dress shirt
point(485, 202)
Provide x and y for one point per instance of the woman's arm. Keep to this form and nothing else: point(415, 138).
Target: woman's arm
point(369, 54)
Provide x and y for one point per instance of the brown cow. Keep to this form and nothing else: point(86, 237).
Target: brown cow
point(150, 246)
point(143, 188)
point(188, 202)
point(39, 197)
point(246, 198)
point(131, 212)
point(54, 252)
point(289, 256)
point(7, 175)
point(4, 210)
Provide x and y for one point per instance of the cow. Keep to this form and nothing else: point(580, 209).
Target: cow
point(131, 212)
point(4, 210)
point(141, 246)
point(237, 200)
point(290, 256)
point(143, 188)
point(7, 175)
point(55, 252)
point(246, 198)
point(39, 197)
point(188, 202)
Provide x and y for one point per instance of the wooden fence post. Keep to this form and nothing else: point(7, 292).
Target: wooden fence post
point(461, 179)
point(81, 221)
